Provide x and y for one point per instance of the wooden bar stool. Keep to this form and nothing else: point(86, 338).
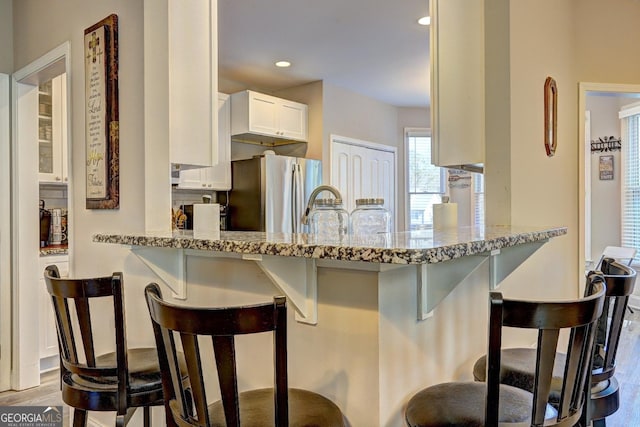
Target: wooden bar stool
point(491, 403)
point(518, 363)
point(278, 406)
point(119, 381)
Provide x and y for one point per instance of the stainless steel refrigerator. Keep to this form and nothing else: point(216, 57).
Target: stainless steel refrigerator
point(269, 193)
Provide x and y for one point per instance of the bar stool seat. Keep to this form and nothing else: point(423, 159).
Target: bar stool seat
point(476, 404)
point(515, 370)
point(305, 409)
point(457, 404)
point(144, 372)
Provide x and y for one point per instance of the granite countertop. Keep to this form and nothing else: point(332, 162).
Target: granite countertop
point(409, 247)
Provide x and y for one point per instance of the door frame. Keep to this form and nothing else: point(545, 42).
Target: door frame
point(5, 230)
point(584, 196)
point(25, 370)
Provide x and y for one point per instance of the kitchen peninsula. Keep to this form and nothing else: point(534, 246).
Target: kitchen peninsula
point(374, 324)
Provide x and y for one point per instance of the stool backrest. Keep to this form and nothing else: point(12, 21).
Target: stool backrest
point(221, 325)
point(78, 350)
point(548, 318)
point(620, 280)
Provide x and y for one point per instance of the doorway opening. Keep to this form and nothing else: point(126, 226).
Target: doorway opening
point(39, 141)
point(601, 168)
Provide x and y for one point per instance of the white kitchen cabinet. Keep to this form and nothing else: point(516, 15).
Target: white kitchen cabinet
point(217, 177)
point(52, 131)
point(47, 325)
point(255, 115)
point(363, 170)
point(457, 82)
point(181, 80)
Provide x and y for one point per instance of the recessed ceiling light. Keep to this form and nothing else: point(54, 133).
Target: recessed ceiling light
point(425, 20)
point(283, 64)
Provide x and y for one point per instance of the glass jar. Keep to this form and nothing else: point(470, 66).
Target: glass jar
point(328, 221)
point(370, 223)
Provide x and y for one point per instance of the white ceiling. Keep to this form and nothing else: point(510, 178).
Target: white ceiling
point(372, 47)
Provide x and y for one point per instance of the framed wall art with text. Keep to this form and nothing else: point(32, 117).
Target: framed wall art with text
point(102, 134)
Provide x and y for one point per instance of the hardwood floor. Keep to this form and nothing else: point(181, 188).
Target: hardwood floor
point(47, 394)
point(627, 373)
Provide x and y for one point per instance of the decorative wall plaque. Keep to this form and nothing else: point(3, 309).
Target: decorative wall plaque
point(101, 114)
point(605, 168)
point(550, 116)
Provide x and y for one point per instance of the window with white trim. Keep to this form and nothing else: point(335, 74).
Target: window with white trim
point(425, 182)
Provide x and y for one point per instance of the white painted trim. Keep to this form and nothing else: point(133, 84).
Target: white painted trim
point(24, 216)
point(362, 143)
point(587, 186)
point(629, 110)
point(5, 234)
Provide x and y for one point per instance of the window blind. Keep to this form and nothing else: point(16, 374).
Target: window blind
point(478, 199)
point(630, 233)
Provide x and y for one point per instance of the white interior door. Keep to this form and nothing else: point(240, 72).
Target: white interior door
point(361, 169)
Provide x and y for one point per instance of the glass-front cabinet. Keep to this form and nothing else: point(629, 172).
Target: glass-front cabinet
point(52, 131)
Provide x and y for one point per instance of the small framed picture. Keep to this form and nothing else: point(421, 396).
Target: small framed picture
point(605, 167)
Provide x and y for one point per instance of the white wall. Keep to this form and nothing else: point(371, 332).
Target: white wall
point(605, 194)
point(34, 35)
point(531, 187)
point(534, 189)
point(6, 36)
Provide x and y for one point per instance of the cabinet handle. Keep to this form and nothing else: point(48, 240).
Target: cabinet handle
point(58, 178)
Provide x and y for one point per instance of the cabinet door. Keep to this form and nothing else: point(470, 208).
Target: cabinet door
point(52, 131)
point(293, 120)
point(217, 177)
point(263, 113)
point(457, 82)
point(47, 326)
point(192, 179)
point(62, 122)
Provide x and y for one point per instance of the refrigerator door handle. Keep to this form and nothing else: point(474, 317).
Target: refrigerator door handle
point(294, 199)
point(298, 196)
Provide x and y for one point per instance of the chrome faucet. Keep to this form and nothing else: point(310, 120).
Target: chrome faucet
point(314, 195)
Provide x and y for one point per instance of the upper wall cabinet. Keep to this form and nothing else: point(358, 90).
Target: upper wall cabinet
point(181, 79)
point(217, 177)
point(52, 131)
point(457, 82)
point(266, 119)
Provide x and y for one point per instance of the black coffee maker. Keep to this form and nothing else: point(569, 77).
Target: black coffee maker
point(45, 223)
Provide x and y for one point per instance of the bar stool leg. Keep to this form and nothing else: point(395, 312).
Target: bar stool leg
point(147, 416)
point(79, 418)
